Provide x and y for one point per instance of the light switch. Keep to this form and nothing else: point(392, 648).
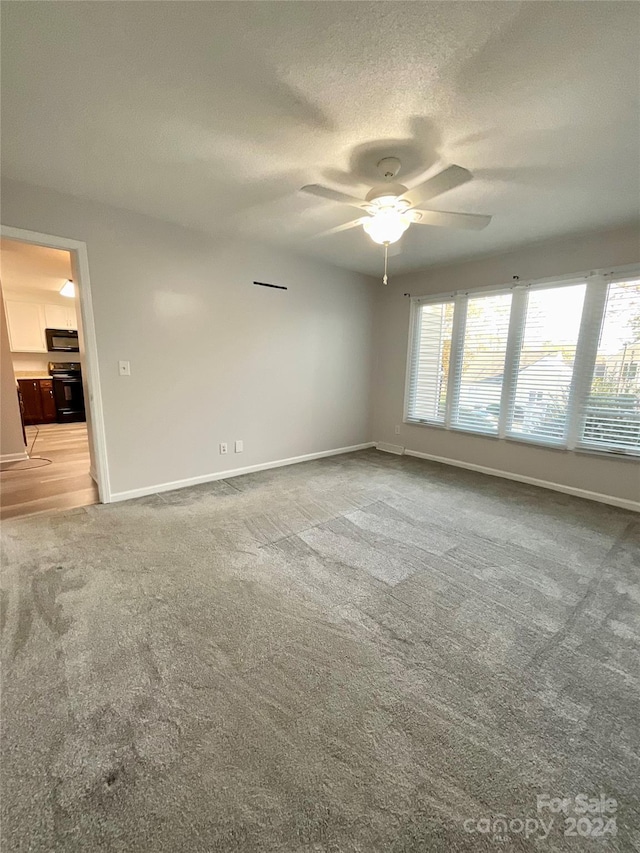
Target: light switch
point(239, 446)
point(124, 368)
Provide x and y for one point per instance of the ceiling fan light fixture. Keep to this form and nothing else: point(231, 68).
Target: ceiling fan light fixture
point(390, 207)
point(68, 289)
point(386, 227)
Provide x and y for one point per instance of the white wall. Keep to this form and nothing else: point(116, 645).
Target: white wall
point(213, 358)
point(11, 438)
point(614, 477)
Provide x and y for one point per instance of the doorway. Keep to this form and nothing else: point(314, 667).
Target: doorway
point(58, 460)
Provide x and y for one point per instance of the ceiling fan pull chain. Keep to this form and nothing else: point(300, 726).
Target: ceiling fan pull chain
point(385, 279)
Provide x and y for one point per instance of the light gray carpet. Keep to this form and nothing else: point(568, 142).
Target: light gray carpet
point(354, 654)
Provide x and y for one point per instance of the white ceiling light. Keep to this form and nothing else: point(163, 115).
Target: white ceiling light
point(385, 227)
point(68, 289)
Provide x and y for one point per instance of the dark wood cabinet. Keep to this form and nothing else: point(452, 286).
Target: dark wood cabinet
point(31, 400)
point(49, 410)
point(38, 402)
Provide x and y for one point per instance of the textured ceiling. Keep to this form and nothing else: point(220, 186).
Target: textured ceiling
point(213, 114)
point(23, 265)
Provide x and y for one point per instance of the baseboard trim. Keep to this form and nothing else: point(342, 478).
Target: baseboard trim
point(397, 449)
point(623, 503)
point(233, 472)
point(14, 457)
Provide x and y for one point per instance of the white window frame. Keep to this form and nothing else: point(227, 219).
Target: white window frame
point(593, 313)
point(456, 355)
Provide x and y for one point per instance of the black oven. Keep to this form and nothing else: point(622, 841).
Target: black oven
point(62, 340)
point(67, 391)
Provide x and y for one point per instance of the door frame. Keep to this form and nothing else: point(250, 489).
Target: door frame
point(80, 268)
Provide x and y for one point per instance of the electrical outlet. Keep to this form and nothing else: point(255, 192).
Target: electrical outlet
point(239, 446)
point(223, 447)
point(124, 368)
point(397, 429)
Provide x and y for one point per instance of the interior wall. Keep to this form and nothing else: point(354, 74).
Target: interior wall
point(11, 438)
point(213, 357)
point(619, 478)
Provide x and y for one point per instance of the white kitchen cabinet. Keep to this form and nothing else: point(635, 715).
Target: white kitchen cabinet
point(26, 325)
point(60, 317)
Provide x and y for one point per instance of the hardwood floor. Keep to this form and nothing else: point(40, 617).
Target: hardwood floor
point(62, 484)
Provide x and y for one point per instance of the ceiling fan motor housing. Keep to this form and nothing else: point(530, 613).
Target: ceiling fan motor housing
point(385, 190)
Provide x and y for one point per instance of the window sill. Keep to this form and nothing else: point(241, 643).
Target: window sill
point(607, 454)
point(582, 451)
point(450, 429)
point(434, 424)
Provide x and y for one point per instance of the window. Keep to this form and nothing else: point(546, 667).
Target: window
point(544, 363)
point(429, 369)
point(484, 345)
point(555, 364)
point(612, 408)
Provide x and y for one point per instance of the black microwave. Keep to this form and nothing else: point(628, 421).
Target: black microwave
point(62, 340)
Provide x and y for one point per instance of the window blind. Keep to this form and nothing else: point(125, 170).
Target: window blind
point(484, 344)
point(429, 362)
point(543, 369)
point(611, 410)
point(552, 364)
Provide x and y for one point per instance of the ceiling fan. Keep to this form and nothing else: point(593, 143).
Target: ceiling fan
point(391, 208)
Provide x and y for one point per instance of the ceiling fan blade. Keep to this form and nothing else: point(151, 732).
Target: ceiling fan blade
point(445, 219)
point(353, 224)
point(450, 178)
point(332, 195)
